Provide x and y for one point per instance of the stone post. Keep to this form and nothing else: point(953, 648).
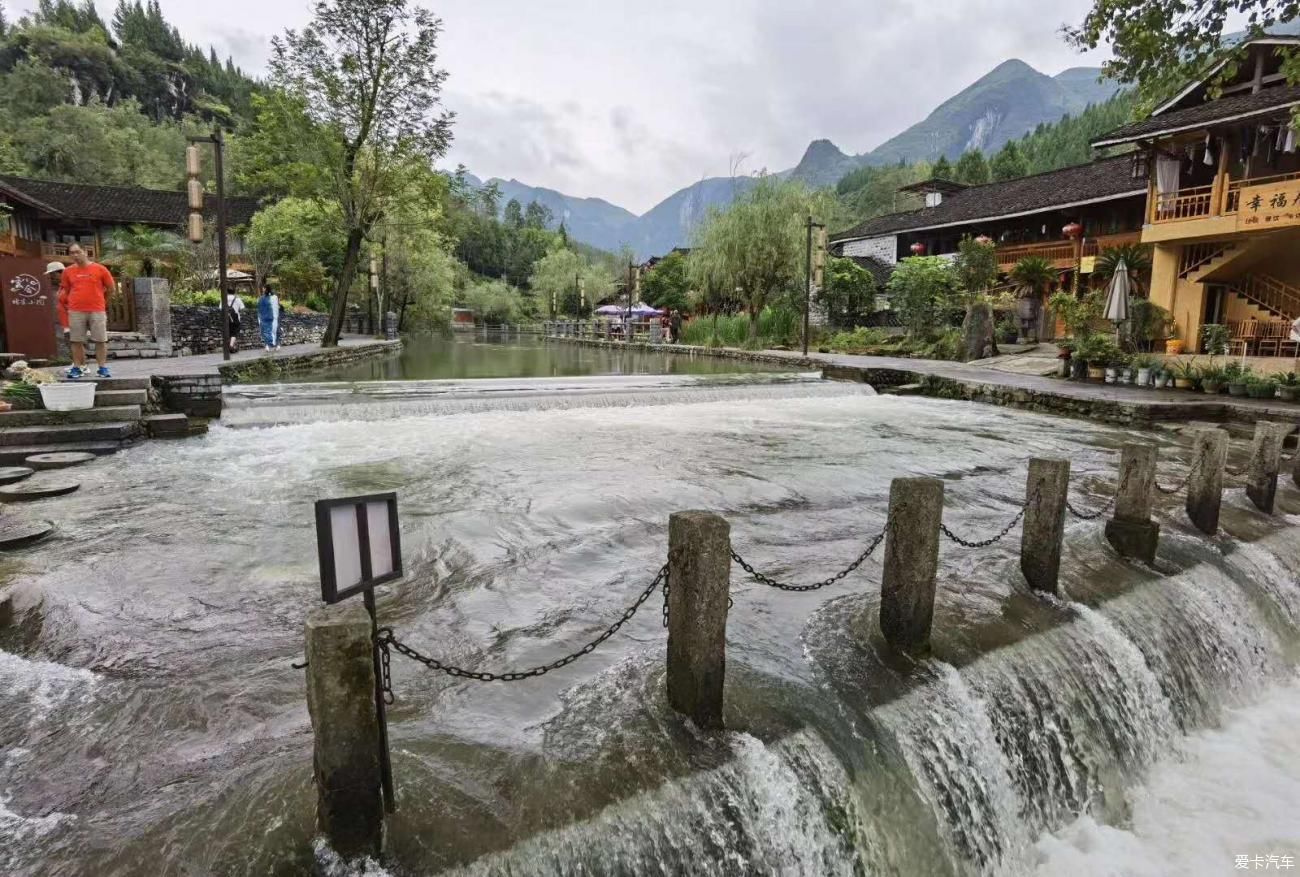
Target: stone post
point(153, 311)
point(1265, 461)
point(1205, 486)
point(1295, 470)
point(911, 562)
point(390, 326)
point(699, 584)
point(341, 701)
point(1131, 531)
point(1044, 524)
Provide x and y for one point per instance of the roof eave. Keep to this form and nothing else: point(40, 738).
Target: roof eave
point(1180, 129)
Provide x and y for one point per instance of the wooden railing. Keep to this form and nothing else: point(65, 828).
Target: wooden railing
point(1059, 253)
point(1232, 194)
point(1269, 292)
point(1098, 245)
point(1195, 256)
point(60, 251)
point(1183, 204)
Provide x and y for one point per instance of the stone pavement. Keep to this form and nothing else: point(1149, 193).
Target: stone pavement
point(211, 363)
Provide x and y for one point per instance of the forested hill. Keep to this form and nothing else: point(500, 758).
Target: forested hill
point(88, 100)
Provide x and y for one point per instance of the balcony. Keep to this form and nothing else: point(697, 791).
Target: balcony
point(1220, 198)
point(60, 251)
point(1064, 254)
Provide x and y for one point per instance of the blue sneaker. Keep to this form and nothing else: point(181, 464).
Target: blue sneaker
point(74, 374)
point(103, 372)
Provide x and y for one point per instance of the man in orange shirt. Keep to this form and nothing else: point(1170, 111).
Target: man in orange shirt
point(88, 285)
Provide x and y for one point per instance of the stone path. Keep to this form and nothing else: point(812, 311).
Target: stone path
point(210, 363)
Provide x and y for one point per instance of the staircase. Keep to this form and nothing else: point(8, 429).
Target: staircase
point(1198, 260)
point(1280, 299)
point(115, 420)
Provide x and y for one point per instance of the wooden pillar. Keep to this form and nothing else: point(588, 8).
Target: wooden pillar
point(699, 584)
point(907, 585)
point(1044, 524)
point(1131, 531)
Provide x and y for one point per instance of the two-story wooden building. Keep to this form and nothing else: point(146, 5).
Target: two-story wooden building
point(1223, 204)
point(1030, 216)
point(40, 220)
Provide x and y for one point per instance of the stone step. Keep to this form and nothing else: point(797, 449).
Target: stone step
point(115, 431)
point(41, 417)
point(111, 398)
point(167, 425)
point(114, 383)
point(16, 455)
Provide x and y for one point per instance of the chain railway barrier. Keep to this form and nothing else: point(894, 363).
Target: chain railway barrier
point(344, 683)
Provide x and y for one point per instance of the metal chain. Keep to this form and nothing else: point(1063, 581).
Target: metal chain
point(984, 543)
point(773, 583)
point(388, 641)
point(1091, 516)
point(1170, 491)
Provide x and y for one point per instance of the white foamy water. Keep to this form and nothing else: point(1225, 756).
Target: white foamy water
point(1224, 792)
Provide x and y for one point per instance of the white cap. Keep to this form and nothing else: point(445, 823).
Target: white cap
point(54, 266)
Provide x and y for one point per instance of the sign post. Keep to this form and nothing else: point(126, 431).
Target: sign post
point(359, 545)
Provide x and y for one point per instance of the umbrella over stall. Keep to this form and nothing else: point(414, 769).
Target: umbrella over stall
point(1117, 297)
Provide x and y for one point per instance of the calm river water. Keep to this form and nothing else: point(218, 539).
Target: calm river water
point(151, 723)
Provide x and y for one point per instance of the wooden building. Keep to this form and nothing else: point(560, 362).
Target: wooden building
point(1223, 203)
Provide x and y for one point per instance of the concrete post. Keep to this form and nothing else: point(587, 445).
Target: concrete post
point(390, 326)
point(1131, 531)
point(153, 311)
point(911, 562)
point(699, 584)
point(1265, 461)
point(1205, 486)
point(341, 701)
point(1044, 525)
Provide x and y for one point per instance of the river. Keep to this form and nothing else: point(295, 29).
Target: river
point(152, 723)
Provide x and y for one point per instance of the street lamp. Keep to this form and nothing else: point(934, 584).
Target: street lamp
point(196, 221)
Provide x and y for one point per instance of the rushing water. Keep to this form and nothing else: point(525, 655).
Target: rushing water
point(151, 722)
point(472, 355)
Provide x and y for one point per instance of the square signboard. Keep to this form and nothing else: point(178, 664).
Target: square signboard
point(359, 544)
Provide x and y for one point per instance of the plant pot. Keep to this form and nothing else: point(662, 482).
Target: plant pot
point(1184, 383)
point(1126, 376)
point(1163, 382)
point(1096, 373)
point(1112, 375)
point(1144, 377)
point(1237, 389)
point(1289, 394)
point(1078, 370)
point(1063, 370)
point(1261, 391)
point(1173, 347)
point(68, 396)
point(1211, 388)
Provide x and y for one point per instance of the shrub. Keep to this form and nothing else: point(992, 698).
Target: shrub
point(863, 339)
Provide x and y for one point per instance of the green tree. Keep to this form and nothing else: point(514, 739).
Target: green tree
point(923, 290)
point(942, 170)
point(1010, 163)
point(849, 294)
point(555, 281)
point(297, 240)
point(976, 266)
point(355, 112)
point(1034, 275)
point(667, 284)
point(514, 215)
point(758, 243)
point(973, 169)
point(537, 215)
point(142, 250)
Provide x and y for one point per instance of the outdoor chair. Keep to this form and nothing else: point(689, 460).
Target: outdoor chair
point(1272, 336)
point(1244, 340)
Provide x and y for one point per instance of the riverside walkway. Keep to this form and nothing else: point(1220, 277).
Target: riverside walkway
point(213, 364)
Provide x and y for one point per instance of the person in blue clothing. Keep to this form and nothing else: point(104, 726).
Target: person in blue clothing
point(268, 318)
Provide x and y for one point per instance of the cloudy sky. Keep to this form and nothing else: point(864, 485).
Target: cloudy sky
point(629, 101)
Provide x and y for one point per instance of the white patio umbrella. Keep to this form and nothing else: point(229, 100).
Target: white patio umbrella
point(1117, 297)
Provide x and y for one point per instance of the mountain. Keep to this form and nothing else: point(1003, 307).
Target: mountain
point(1005, 104)
point(590, 220)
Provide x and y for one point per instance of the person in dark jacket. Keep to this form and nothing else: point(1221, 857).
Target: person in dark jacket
point(675, 325)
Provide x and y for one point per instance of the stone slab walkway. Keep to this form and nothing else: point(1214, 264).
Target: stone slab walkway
point(210, 363)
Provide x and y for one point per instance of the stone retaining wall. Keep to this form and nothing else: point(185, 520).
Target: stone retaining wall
point(192, 395)
point(268, 367)
point(197, 329)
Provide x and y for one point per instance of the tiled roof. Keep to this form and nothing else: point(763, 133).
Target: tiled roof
point(1239, 106)
point(1099, 181)
point(118, 204)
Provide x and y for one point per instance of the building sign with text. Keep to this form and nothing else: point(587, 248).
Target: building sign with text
point(1272, 205)
point(29, 317)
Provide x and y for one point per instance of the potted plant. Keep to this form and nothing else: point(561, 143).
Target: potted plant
point(1288, 387)
point(1186, 373)
point(1214, 339)
point(1064, 350)
point(1238, 378)
point(1143, 364)
point(1261, 386)
point(1161, 379)
point(1213, 380)
point(1124, 363)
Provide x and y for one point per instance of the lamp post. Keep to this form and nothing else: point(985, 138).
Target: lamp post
point(812, 269)
point(191, 162)
point(1074, 231)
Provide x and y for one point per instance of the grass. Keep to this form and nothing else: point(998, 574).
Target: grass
point(776, 327)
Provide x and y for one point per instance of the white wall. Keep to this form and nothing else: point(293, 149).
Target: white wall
point(883, 248)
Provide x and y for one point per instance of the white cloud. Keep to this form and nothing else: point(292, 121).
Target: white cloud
point(630, 101)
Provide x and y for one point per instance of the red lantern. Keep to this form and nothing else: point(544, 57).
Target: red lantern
point(918, 249)
point(1073, 231)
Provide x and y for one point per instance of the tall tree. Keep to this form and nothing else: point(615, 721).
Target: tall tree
point(973, 169)
point(357, 111)
point(537, 215)
point(667, 284)
point(941, 169)
point(514, 215)
point(1010, 162)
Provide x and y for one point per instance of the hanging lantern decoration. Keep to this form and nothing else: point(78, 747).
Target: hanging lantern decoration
point(1073, 231)
point(918, 249)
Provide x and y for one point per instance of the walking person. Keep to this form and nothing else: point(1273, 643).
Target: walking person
point(675, 320)
point(87, 286)
point(236, 309)
point(268, 318)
